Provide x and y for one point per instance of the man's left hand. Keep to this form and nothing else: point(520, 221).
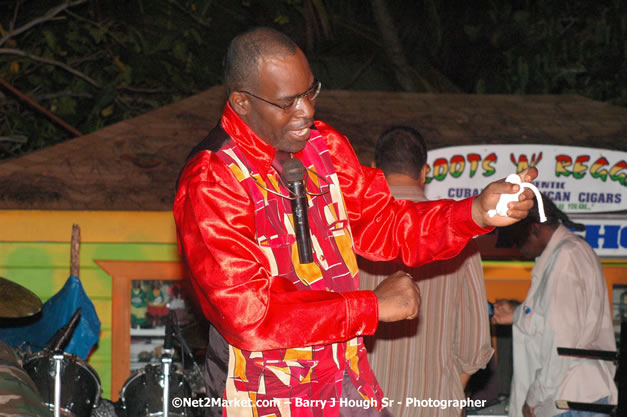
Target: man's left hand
point(489, 197)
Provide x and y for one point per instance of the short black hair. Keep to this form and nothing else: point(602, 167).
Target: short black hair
point(401, 150)
point(241, 63)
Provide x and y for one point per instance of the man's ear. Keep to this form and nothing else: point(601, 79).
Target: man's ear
point(423, 175)
point(240, 103)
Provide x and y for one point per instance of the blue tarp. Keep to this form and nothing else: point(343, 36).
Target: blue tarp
point(56, 313)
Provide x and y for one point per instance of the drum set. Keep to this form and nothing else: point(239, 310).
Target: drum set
point(65, 385)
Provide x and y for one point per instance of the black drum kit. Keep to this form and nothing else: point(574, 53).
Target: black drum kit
point(68, 386)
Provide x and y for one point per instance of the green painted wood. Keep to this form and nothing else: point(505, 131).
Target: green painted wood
point(102, 353)
point(104, 373)
point(44, 267)
point(58, 253)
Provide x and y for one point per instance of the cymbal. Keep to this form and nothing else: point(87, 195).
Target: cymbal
point(17, 301)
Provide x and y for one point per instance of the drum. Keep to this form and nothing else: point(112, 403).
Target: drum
point(142, 393)
point(80, 385)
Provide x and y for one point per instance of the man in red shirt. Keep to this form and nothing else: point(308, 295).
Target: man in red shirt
point(288, 339)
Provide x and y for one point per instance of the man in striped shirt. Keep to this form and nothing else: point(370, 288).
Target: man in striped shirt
point(433, 356)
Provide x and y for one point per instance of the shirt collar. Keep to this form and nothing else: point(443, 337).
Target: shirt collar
point(557, 236)
point(256, 151)
point(407, 192)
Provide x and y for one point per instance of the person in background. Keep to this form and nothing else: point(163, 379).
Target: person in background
point(567, 306)
point(434, 355)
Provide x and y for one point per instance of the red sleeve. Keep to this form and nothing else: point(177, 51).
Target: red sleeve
point(251, 308)
point(386, 229)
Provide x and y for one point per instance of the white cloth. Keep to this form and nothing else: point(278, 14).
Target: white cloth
point(567, 306)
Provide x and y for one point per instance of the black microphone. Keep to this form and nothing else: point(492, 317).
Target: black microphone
point(294, 174)
point(59, 340)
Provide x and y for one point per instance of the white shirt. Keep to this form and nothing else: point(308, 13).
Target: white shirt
point(567, 306)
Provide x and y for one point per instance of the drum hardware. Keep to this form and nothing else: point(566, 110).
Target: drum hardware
point(67, 385)
point(76, 386)
point(58, 362)
point(60, 339)
point(194, 375)
point(57, 343)
point(106, 408)
point(138, 395)
point(166, 361)
point(141, 395)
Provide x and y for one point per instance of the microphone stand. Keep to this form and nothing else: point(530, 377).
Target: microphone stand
point(57, 344)
point(58, 368)
point(197, 380)
point(166, 363)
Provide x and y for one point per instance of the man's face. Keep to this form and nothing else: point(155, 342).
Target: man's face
point(280, 80)
point(531, 245)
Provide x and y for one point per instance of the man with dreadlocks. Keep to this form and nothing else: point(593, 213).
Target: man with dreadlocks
point(567, 306)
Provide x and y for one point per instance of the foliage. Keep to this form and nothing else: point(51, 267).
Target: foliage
point(94, 63)
point(554, 47)
point(132, 57)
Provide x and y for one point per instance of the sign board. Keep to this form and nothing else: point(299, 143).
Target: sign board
point(607, 236)
point(577, 179)
point(605, 233)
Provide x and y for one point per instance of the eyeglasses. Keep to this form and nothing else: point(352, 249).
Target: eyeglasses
point(293, 102)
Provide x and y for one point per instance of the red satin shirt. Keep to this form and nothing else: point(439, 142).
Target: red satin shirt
point(294, 329)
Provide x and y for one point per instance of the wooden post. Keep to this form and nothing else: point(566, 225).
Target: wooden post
point(75, 251)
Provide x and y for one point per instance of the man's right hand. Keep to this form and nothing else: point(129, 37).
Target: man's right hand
point(489, 197)
point(399, 298)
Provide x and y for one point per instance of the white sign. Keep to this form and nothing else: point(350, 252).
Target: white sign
point(577, 179)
